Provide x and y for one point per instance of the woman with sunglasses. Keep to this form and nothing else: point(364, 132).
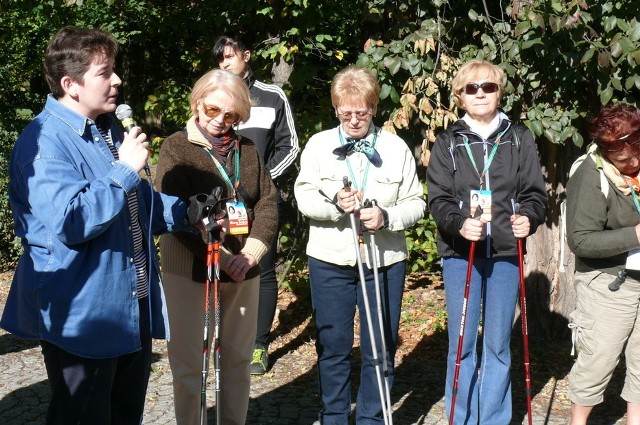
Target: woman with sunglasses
point(378, 167)
point(205, 155)
point(603, 230)
point(483, 158)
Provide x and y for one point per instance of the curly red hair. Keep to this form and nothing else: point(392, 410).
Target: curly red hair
point(614, 122)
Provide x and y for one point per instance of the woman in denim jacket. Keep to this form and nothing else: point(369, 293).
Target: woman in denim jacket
point(88, 283)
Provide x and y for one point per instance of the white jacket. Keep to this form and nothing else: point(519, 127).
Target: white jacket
point(394, 185)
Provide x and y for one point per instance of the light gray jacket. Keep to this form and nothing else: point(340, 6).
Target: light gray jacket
point(394, 185)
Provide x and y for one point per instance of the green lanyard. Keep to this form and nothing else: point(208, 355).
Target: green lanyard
point(465, 140)
point(636, 201)
point(363, 184)
point(633, 188)
point(223, 172)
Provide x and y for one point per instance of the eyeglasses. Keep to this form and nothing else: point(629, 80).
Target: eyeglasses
point(631, 139)
point(347, 116)
point(486, 88)
point(213, 112)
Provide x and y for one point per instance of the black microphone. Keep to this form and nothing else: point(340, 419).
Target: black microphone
point(125, 114)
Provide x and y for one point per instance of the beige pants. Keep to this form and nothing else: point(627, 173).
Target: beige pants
point(239, 307)
point(604, 324)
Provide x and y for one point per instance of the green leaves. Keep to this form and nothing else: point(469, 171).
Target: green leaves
point(530, 43)
point(387, 91)
point(393, 63)
point(632, 81)
point(421, 245)
point(610, 23)
point(606, 95)
point(562, 60)
point(553, 123)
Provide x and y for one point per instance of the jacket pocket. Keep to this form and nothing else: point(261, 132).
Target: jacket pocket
point(331, 182)
point(387, 187)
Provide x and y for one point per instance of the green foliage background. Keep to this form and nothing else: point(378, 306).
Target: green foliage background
point(563, 60)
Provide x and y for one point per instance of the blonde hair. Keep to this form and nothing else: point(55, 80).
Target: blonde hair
point(231, 84)
point(355, 83)
point(476, 70)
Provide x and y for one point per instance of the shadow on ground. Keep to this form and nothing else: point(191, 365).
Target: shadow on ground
point(28, 405)
point(420, 376)
point(12, 344)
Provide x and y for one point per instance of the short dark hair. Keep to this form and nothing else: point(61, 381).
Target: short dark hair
point(71, 52)
point(233, 41)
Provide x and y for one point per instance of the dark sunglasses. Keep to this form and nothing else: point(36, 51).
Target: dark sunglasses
point(631, 139)
point(213, 112)
point(486, 87)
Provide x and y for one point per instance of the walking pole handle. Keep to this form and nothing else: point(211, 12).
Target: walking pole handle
point(345, 184)
point(515, 207)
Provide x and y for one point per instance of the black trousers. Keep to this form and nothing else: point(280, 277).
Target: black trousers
point(268, 299)
point(99, 391)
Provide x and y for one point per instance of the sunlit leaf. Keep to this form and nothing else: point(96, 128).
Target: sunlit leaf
point(587, 55)
point(393, 63)
point(609, 23)
point(606, 95)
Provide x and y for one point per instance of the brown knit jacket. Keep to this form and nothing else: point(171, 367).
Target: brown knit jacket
point(185, 169)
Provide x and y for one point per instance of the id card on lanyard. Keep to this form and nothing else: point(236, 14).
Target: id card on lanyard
point(236, 210)
point(238, 219)
point(484, 197)
point(481, 204)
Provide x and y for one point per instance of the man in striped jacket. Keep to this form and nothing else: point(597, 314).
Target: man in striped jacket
point(272, 130)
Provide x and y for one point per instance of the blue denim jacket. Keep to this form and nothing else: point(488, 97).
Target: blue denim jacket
point(75, 284)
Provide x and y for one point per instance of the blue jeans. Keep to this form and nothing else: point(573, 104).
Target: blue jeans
point(335, 292)
point(484, 396)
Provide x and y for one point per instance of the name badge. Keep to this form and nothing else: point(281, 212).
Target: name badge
point(238, 219)
point(481, 204)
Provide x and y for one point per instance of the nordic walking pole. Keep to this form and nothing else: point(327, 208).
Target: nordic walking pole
point(376, 282)
point(211, 253)
point(467, 286)
point(213, 276)
point(523, 318)
point(367, 310)
point(525, 331)
point(216, 329)
point(206, 216)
